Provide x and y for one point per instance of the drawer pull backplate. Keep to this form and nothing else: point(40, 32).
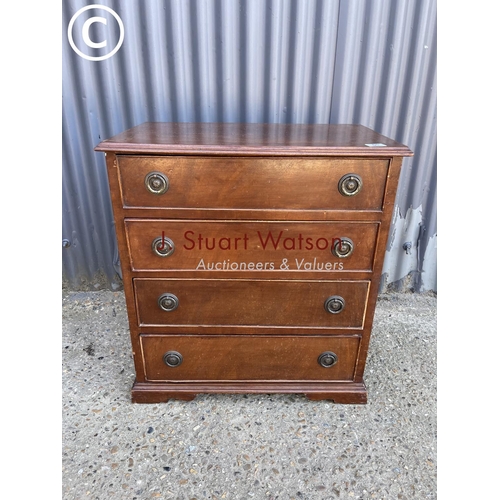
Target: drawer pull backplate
point(156, 182)
point(343, 247)
point(350, 184)
point(168, 302)
point(172, 358)
point(327, 359)
point(334, 304)
point(163, 246)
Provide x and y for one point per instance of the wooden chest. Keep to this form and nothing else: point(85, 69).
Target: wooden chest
point(251, 254)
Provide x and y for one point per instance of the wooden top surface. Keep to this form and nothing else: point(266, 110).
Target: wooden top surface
point(260, 139)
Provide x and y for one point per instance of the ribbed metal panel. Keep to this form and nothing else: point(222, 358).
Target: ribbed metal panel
point(310, 61)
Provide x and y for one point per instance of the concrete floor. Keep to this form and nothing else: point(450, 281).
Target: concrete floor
point(248, 447)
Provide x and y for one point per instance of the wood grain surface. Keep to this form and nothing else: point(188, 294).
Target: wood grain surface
point(243, 358)
point(252, 211)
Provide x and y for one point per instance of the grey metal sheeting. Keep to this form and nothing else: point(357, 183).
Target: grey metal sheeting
point(281, 61)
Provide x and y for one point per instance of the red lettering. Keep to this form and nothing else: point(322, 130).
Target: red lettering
point(269, 236)
point(186, 237)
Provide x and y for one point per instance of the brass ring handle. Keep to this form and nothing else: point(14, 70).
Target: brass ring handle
point(350, 184)
point(327, 359)
point(172, 358)
point(163, 246)
point(156, 182)
point(343, 247)
point(334, 304)
point(168, 302)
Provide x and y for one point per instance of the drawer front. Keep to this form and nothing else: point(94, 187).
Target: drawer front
point(300, 304)
point(229, 247)
point(217, 358)
point(250, 183)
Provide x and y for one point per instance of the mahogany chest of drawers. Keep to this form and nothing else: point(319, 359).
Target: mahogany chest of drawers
point(251, 254)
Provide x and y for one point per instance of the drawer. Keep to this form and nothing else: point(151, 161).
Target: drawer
point(231, 247)
point(217, 358)
point(257, 303)
point(250, 183)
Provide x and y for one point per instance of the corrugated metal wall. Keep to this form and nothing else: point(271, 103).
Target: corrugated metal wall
point(369, 62)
